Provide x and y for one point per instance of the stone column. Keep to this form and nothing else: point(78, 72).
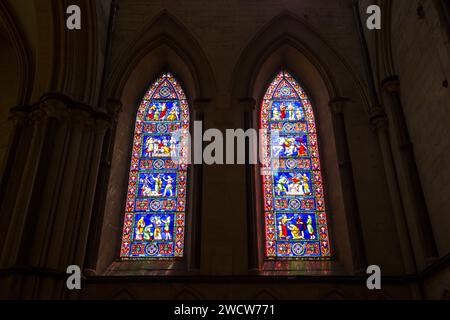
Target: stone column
point(414, 191)
point(337, 106)
point(41, 235)
point(101, 125)
point(114, 107)
point(52, 205)
point(10, 172)
point(57, 205)
point(445, 7)
point(17, 185)
point(255, 233)
point(194, 236)
point(379, 123)
point(18, 194)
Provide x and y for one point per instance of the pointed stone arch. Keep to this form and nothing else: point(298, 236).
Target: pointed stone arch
point(170, 45)
point(162, 45)
point(289, 43)
point(287, 30)
point(58, 55)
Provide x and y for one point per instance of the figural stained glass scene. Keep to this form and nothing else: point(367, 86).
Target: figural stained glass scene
point(294, 205)
point(154, 223)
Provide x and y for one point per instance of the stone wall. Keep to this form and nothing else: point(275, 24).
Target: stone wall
point(420, 53)
point(224, 54)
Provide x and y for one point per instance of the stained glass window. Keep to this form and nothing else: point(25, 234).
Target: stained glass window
point(294, 205)
point(154, 223)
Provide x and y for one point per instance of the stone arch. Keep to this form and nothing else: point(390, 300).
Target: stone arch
point(162, 45)
point(286, 29)
point(170, 45)
point(287, 42)
point(52, 55)
point(70, 50)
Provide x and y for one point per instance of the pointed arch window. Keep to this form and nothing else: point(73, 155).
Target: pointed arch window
point(154, 222)
point(294, 206)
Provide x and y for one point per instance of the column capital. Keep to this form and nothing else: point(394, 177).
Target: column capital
point(201, 104)
point(54, 108)
point(337, 104)
point(102, 124)
point(378, 120)
point(18, 115)
point(391, 84)
point(246, 104)
point(60, 106)
point(37, 115)
point(113, 106)
point(81, 118)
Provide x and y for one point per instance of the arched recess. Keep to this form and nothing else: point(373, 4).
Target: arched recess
point(287, 43)
point(164, 45)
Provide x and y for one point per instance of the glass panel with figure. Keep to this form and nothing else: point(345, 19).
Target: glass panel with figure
point(154, 223)
point(294, 206)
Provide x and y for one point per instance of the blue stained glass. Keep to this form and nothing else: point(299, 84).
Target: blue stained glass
point(294, 206)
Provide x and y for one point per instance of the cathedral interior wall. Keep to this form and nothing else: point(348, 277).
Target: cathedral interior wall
point(224, 55)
